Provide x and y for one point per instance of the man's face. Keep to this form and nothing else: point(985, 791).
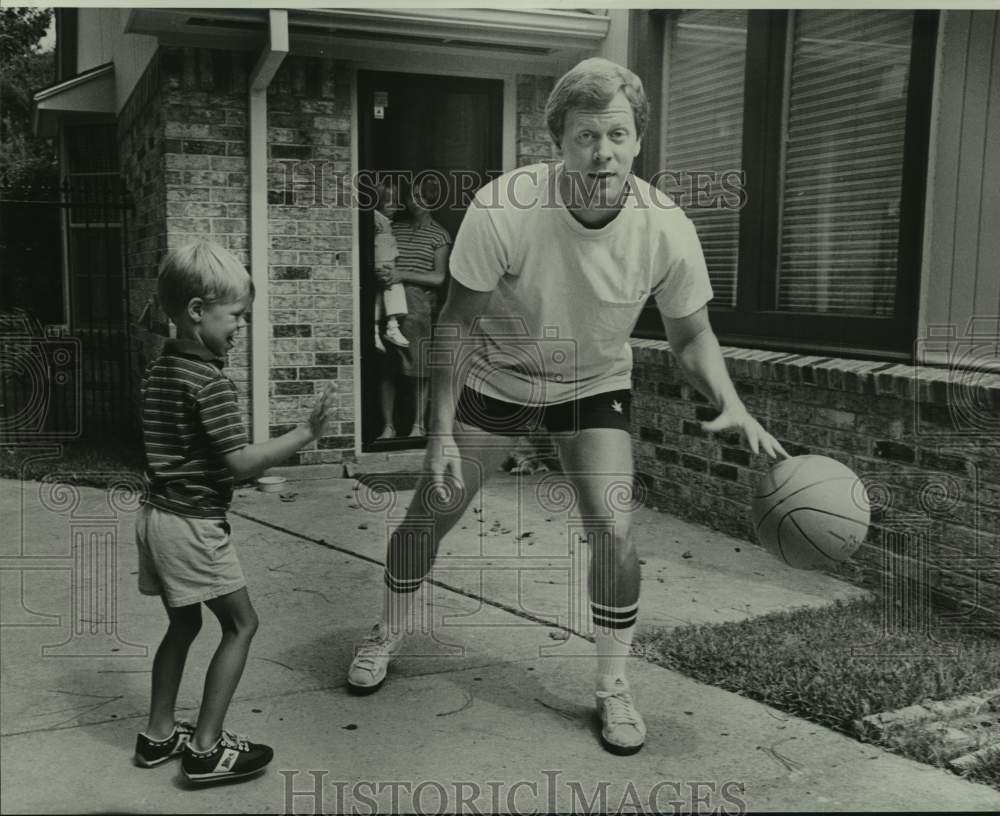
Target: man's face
point(598, 148)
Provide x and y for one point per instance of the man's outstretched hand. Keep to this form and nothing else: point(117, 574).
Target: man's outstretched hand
point(738, 419)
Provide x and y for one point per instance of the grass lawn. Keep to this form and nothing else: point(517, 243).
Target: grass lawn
point(801, 662)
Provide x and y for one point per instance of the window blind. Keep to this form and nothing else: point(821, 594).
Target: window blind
point(705, 65)
point(843, 161)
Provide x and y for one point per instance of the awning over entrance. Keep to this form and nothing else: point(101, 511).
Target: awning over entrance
point(87, 96)
point(535, 33)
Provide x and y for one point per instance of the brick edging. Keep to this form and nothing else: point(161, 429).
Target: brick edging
point(925, 384)
point(886, 721)
point(922, 438)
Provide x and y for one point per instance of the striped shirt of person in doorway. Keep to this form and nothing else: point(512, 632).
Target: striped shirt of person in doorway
point(196, 447)
point(422, 268)
point(568, 255)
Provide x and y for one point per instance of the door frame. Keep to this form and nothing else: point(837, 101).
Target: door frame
point(428, 66)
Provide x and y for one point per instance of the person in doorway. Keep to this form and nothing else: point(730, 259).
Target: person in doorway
point(390, 301)
point(570, 253)
point(421, 267)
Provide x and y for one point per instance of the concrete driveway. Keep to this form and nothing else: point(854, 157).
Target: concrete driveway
point(490, 710)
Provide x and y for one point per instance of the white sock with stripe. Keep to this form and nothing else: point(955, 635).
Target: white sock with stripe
point(614, 627)
point(397, 607)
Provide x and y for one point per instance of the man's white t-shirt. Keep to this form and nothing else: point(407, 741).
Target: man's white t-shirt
point(566, 298)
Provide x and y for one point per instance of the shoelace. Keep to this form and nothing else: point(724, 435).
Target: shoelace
point(185, 732)
point(182, 730)
point(371, 648)
point(231, 740)
point(621, 710)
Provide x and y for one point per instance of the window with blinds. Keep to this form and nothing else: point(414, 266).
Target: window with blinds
point(823, 117)
point(842, 168)
point(703, 135)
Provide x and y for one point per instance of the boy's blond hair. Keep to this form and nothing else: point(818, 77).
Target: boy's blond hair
point(200, 269)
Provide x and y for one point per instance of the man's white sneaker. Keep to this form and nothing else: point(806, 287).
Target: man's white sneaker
point(371, 661)
point(622, 728)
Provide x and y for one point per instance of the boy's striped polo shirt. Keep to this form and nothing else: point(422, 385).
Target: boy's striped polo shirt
point(190, 418)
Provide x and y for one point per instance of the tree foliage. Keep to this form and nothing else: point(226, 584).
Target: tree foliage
point(21, 29)
point(25, 160)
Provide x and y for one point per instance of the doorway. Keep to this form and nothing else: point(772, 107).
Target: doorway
point(412, 124)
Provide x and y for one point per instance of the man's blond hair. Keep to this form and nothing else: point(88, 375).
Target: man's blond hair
point(591, 85)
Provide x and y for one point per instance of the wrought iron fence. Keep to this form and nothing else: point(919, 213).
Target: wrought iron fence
point(65, 367)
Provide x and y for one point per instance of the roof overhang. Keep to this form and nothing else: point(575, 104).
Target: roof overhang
point(88, 96)
point(352, 33)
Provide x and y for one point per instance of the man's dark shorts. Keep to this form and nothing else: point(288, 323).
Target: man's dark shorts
point(610, 409)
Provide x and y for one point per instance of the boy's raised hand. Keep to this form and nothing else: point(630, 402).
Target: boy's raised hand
point(323, 412)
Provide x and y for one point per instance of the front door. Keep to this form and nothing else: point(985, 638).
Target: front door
point(412, 124)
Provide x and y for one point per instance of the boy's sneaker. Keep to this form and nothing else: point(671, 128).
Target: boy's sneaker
point(378, 342)
point(395, 336)
point(622, 728)
point(231, 758)
point(371, 661)
point(149, 752)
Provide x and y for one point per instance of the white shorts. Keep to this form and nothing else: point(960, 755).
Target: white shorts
point(186, 560)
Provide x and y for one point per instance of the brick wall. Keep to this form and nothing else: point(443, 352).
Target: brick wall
point(140, 139)
point(919, 439)
point(204, 101)
point(533, 141)
point(312, 297)
point(185, 143)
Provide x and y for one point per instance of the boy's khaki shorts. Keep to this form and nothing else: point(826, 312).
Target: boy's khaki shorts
point(186, 560)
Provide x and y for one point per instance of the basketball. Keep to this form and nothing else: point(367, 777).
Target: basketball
point(811, 511)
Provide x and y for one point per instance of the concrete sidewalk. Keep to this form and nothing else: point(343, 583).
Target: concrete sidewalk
point(490, 710)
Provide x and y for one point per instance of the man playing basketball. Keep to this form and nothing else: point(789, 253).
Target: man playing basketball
point(571, 251)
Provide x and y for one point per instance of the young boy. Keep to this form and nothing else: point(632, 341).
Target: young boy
point(391, 300)
point(196, 447)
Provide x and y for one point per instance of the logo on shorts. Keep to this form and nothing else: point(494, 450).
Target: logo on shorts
point(616, 406)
